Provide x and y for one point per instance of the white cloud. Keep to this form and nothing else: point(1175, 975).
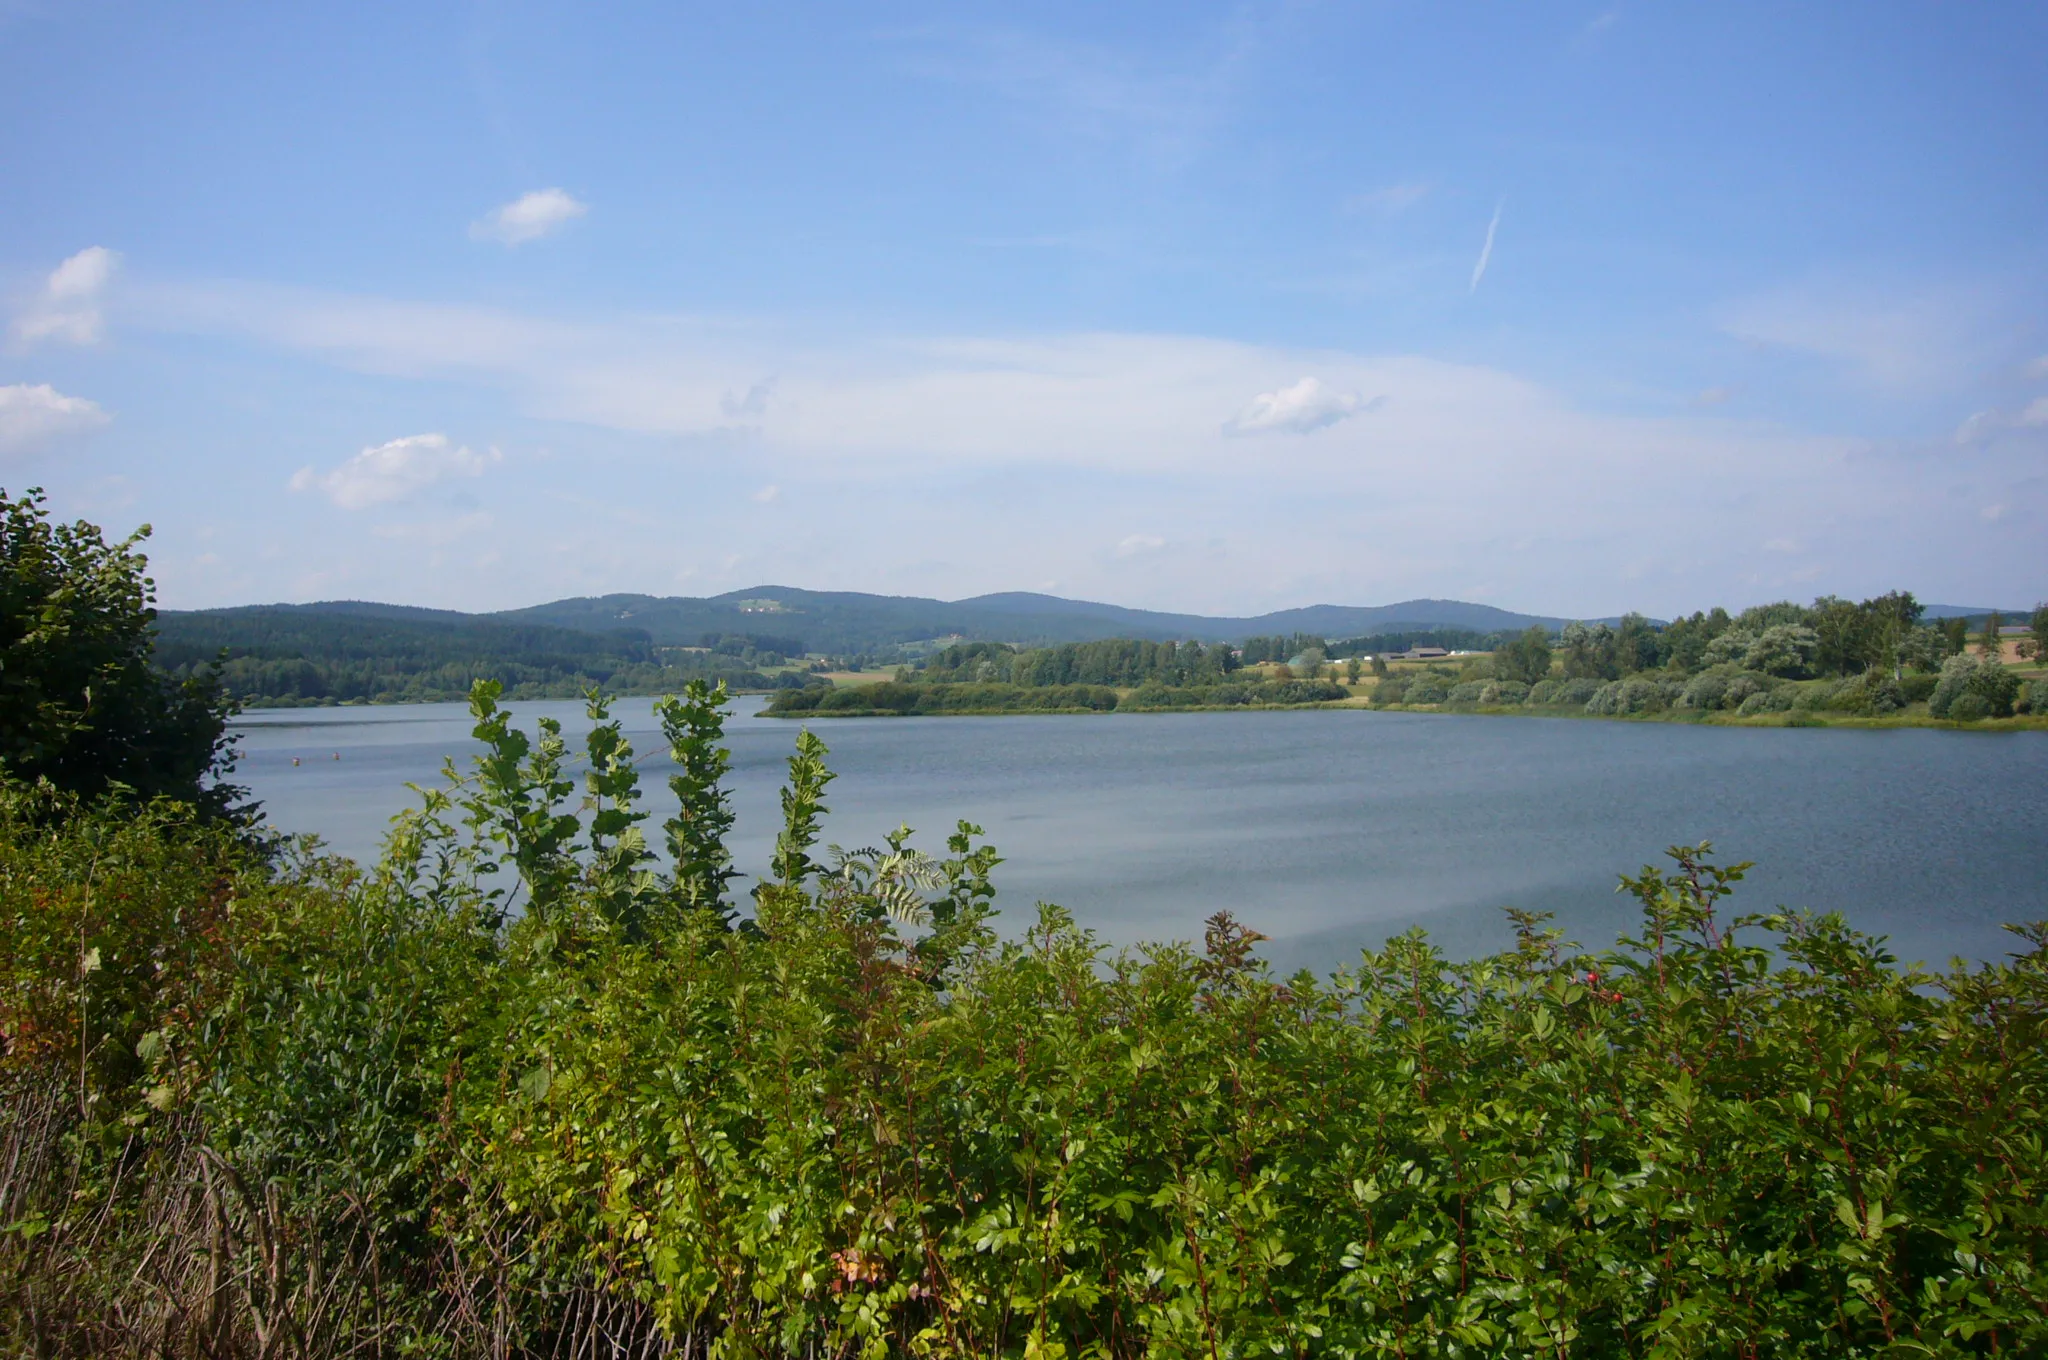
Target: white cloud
point(1991, 514)
point(528, 217)
point(1985, 426)
point(1060, 446)
point(68, 307)
point(1486, 251)
point(34, 415)
point(395, 471)
point(1301, 409)
point(1135, 544)
point(767, 495)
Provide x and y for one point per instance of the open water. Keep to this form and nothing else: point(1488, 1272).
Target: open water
point(1326, 830)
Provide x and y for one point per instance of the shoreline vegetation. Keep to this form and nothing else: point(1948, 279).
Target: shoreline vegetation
point(1833, 663)
point(522, 1088)
point(541, 1082)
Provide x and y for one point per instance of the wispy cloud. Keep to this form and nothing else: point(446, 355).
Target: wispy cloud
point(1914, 341)
point(749, 405)
point(767, 495)
point(1167, 111)
point(1392, 199)
point(68, 307)
point(33, 416)
point(1305, 407)
point(396, 471)
point(1985, 426)
point(528, 217)
point(1059, 447)
point(1486, 251)
point(1134, 545)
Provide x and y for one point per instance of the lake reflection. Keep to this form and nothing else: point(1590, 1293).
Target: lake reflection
point(1326, 830)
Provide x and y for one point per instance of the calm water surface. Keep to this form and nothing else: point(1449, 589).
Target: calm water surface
point(1327, 830)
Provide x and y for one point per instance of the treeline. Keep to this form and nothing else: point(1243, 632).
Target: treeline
point(906, 698)
point(1113, 661)
point(282, 657)
point(1295, 646)
point(1114, 674)
point(1870, 658)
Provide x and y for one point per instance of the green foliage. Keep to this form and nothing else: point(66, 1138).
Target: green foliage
point(803, 803)
point(81, 703)
point(1633, 695)
point(351, 1113)
point(1525, 658)
point(1990, 645)
point(1972, 688)
point(694, 724)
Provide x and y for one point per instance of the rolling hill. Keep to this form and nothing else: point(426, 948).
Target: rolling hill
point(845, 621)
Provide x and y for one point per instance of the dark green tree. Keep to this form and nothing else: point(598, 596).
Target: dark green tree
point(1989, 643)
point(81, 702)
point(1956, 632)
point(1526, 658)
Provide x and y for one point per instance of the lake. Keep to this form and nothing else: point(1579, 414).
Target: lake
point(1325, 829)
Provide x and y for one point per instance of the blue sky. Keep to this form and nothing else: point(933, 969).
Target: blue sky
point(1568, 308)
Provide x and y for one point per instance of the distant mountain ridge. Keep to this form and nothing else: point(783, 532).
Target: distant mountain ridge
point(841, 621)
point(852, 621)
point(846, 622)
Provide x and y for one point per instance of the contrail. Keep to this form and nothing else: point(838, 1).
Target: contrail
point(1486, 251)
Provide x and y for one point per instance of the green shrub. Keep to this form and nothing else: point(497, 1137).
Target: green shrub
point(1427, 688)
point(1993, 686)
point(1708, 689)
point(1766, 701)
point(1633, 695)
point(1918, 689)
point(1576, 692)
point(519, 1090)
point(1969, 706)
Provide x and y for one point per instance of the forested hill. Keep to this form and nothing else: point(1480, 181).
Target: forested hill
point(343, 650)
point(313, 654)
point(847, 622)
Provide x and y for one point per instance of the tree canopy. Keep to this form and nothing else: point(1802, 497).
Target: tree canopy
point(82, 704)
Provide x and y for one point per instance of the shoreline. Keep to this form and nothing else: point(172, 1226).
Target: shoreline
point(1796, 718)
